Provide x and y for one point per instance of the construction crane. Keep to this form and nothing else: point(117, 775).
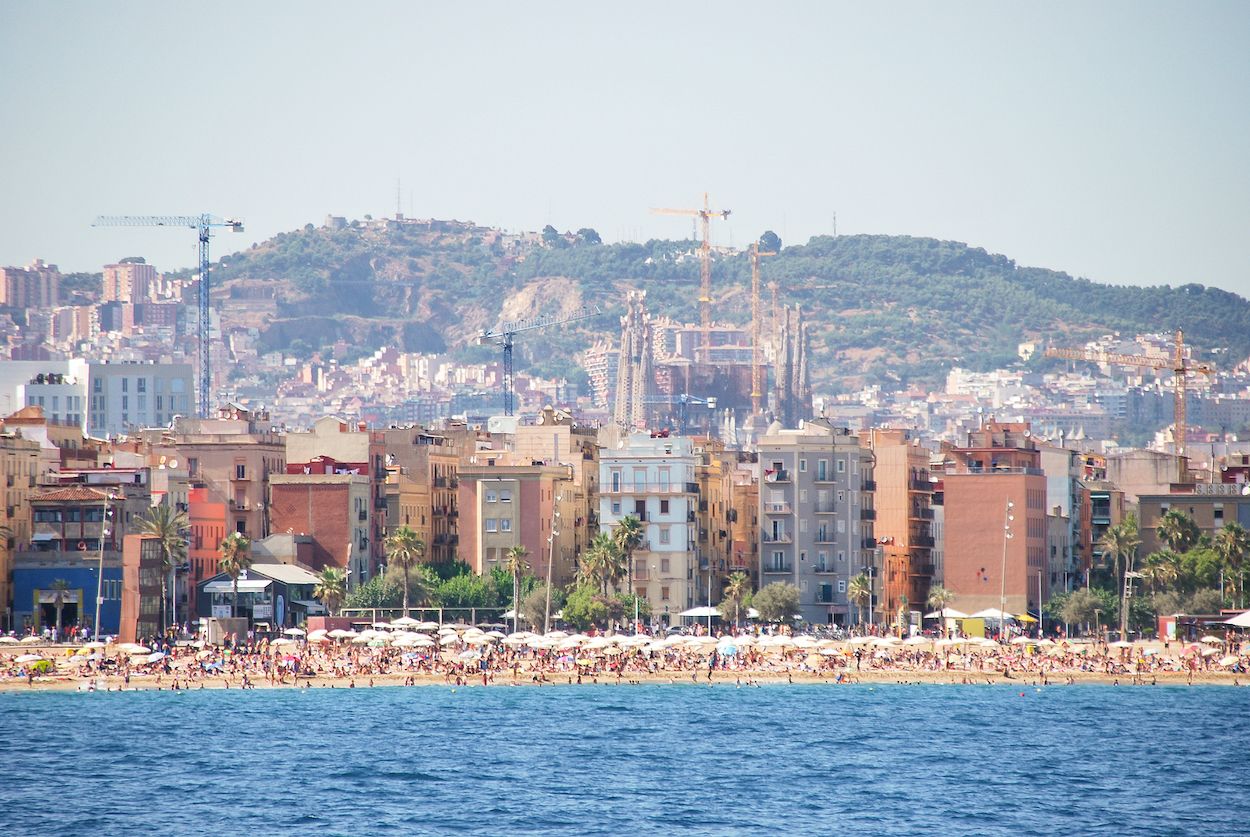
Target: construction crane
point(706, 214)
point(1180, 365)
point(503, 336)
point(203, 224)
point(757, 376)
point(683, 403)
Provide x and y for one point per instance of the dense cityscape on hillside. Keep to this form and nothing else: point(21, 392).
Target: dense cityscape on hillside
point(837, 420)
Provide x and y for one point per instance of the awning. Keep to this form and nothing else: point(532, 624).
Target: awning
point(246, 585)
point(42, 536)
point(310, 606)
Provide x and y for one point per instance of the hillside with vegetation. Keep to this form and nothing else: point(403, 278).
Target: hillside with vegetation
point(883, 309)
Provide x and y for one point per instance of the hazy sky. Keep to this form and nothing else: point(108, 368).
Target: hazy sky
point(1107, 139)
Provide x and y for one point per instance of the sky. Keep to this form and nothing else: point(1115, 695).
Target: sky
point(1106, 139)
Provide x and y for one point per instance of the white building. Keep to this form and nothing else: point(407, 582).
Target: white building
point(654, 480)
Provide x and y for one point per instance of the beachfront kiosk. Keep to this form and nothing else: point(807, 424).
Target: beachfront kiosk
point(270, 595)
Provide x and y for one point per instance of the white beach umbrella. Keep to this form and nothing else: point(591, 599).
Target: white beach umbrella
point(31, 640)
point(405, 622)
point(1025, 640)
point(1213, 640)
point(917, 640)
point(9, 640)
point(28, 658)
point(557, 634)
point(293, 632)
point(1230, 660)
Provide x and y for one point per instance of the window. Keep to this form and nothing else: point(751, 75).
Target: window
point(125, 385)
point(802, 524)
point(822, 469)
point(616, 507)
point(664, 565)
point(664, 593)
point(97, 385)
point(822, 559)
point(125, 402)
point(665, 536)
point(141, 385)
point(505, 496)
point(841, 556)
point(803, 556)
point(802, 466)
point(240, 471)
point(491, 496)
point(664, 507)
point(1218, 508)
point(505, 524)
point(492, 524)
point(802, 495)
point(841, 466)
point(841, 586)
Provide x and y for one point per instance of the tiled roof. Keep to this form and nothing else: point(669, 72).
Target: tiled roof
point(72, 494)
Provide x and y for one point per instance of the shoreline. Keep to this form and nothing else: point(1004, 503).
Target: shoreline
point(876, 677)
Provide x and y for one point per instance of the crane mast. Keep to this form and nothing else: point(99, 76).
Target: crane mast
point(503, 337)
point(203, 225)
point(705, 216)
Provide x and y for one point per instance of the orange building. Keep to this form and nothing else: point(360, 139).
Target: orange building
point(904, 517)
point(1000, 465)
point(208, 521)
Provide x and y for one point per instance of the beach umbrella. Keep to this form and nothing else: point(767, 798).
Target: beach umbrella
point(342, 633)
point(293, 632)
point(556, 634)
point(1026, 640)
point(1230, 660)
point(946, 613)
point(320, 632)
point(804, 642)
point(614, 650)
point(469, 655)
point(28, 658)
point(1210, 652)
point(9, 640)
point(496, 634)
point(1214, 640)
point(31, 640)
point(405, 622)
point(1241, 620)
point(425, 626)
point(155, 657)
point(917, 640)
point(1121, 644)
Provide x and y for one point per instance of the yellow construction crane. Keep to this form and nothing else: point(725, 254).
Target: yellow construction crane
point(706, 214)
point(757, 382)
point(1180, 365)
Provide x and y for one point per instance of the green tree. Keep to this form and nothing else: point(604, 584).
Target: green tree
point(602, 563)
point(734, 597)
point(169, 527)
point(628, 534)
point(1090, 606)
point(331, 588)
point(777, 602)
point(770, 242)
point(584, 607)
point(859, 593)
point(60, 595)
point(1232, 543)
point(236, 559)
point(1161, 569)
point(467, 591)
point(378, 592)
point(516, 564)
point(586, 235)
point(1119, 543)
point(939, 599)
point(534, 604)
point(1200, 569)
point(552, 237)
point(1178, 531)
point(404, 550)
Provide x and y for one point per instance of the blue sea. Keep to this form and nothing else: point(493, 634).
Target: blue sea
point(678, 759)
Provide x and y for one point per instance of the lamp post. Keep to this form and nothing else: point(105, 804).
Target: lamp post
point(551, 559)
point(1002, 582)
point(99, 592)
point(1039, 604)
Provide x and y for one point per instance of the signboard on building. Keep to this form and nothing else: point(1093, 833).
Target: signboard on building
point(221, 611)
point(262, 610)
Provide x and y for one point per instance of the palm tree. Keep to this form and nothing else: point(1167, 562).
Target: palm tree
point(1232, 543)
point(331, 588)
point(167, 525)
point(602, 562)
point(628, 534)
point(859, 593)
point(1161, 569)
point(404, 549)
point(236, 559)
point(1120, 542)
point(939, 599)
point(516, 564)
point(736, 589)
point(1178, 531)
point(60, 595)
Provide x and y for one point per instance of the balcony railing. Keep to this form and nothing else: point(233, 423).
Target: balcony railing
point(778, 508)
point(826, 508)
point(823, 569)
point(778, 568)
point(650, 488)
point(917, 484)
point(777, 476)
point(777, 537)
point(870, 485)
point(868, 543)
point(825, 536)
point(923, 540)
point(867, 514)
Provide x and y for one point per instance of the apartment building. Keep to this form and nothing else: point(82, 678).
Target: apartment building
point(816, 516)
point(653, 477)
point(904, 518)
point(19, 470)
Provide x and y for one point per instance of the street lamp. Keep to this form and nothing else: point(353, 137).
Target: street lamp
point(551, 559)
point(1002, 589)
point(104, 532)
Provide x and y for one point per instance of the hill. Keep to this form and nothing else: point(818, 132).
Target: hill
point(883, 309)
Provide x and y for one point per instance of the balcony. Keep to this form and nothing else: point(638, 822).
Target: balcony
point(824, 536)
point(922, 514)
point(823, 569)
point(868, 543)
point(776, 569)
point(703, 534)
point(867, 514)
point(918, 484)
point(923, 540)
point(690, 518)
point(362, 515)
point(650, 488)
point(870, 485)
point(379, 502)
point(440, 482)
point(922, 569)
point(778, 508)
point(777, 476)
point(777, 537)
point(826, 508)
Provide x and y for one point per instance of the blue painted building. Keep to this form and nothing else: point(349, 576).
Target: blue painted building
point(35, 572)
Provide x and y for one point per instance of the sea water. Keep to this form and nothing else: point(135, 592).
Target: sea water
point(656, 759)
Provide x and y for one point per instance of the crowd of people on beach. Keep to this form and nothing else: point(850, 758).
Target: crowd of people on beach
point(411, 652)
